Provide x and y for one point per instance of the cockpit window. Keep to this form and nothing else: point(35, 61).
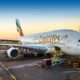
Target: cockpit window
point(79, 40)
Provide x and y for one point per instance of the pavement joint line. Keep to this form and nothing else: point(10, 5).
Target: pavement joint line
point(14, 78)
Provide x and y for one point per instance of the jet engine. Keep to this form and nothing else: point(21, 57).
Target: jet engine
point(12, 53)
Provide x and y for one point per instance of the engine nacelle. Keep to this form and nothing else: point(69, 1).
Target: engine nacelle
point(12, 53)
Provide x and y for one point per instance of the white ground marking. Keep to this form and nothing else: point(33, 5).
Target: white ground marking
point(22, 65)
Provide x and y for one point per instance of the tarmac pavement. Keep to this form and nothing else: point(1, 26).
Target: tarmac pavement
point(27, 69)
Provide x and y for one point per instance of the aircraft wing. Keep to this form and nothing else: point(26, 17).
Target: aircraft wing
point(1, 40)
point(33, 48)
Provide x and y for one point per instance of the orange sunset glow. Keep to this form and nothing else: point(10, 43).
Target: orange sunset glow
point(9, 30)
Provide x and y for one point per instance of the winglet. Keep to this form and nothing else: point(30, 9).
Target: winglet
point(19, 28)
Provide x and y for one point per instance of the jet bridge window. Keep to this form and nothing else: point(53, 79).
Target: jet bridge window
point(79, 40)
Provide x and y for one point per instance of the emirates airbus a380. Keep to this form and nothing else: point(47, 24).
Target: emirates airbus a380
point(67, 41)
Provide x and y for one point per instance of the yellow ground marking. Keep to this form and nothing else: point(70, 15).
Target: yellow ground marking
point(13, 77)
point(1, 78)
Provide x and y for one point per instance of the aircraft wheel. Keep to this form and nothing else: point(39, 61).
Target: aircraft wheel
point(40, 54)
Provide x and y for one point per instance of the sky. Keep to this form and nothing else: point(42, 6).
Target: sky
point(37, 16)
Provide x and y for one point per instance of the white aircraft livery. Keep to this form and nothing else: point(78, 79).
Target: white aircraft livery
point(67, 41)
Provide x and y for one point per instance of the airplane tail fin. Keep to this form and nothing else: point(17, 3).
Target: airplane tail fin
point(19, 28)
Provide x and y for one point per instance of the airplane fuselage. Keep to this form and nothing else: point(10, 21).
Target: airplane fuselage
point(67, 40)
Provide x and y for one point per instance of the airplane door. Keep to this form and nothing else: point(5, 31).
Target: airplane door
point(78, 44)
